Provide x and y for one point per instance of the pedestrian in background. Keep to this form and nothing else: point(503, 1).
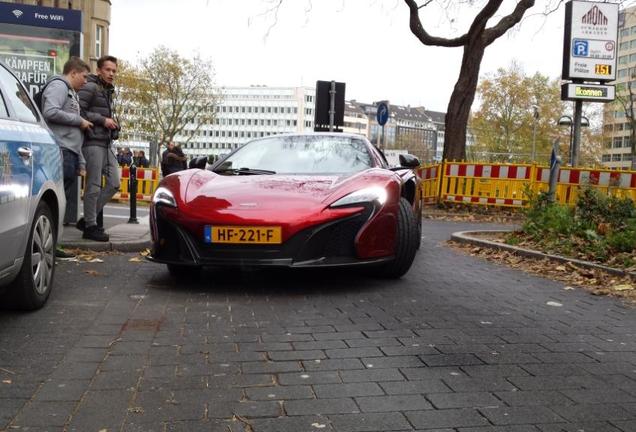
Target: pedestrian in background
point(120, 155)
point(61, 111)
point(126, 157)
point(141, 161)
point(172, 160)
point(96, 102)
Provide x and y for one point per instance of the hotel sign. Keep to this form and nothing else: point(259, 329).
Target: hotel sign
point(590, 43)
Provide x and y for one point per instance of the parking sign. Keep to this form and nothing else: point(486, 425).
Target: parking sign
point(589, 45)
point(580, 48)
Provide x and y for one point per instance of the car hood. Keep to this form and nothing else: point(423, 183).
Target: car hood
point(262, 191)
point(269, 198)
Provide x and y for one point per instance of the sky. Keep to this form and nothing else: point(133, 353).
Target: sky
point(365, 43)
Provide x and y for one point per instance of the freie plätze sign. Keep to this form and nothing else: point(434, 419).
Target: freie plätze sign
point(590, 42)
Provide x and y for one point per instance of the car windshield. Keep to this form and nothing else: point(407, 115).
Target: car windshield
point(299, 154)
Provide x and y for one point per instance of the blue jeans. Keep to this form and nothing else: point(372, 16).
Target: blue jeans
point(71, 171)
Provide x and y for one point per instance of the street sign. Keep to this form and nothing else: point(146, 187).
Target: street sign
point(589, 43)
point(588, 92)
point(383, 113)
point(323, 114)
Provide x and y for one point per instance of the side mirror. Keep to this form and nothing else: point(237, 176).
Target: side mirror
point(409, 161)
point(198, 162)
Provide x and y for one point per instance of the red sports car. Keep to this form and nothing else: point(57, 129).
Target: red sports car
point(298, 200)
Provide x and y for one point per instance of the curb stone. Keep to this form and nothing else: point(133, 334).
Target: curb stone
point(466, 237)
point(124, 246)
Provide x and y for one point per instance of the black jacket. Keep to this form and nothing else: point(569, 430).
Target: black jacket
point(96, 103)
point(172, 161)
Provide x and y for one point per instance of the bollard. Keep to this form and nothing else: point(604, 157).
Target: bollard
point(132, 190)
point(555, 164)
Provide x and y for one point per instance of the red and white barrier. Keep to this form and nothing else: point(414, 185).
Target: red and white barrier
point(509, 172)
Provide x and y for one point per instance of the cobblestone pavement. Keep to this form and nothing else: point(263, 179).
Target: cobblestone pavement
point(459, 344)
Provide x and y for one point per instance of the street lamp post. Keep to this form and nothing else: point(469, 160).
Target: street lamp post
point(567, 120)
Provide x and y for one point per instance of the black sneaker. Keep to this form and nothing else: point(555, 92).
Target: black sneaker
point(81, 224)
point(62, 254)
point(94, 233)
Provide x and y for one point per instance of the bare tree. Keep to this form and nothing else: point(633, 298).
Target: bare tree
point(475, 41)
point(171, 95)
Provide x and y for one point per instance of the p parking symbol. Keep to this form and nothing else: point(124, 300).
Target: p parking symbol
point(580, 48)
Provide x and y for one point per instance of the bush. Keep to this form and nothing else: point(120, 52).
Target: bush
point(623, 240)
point(594, 208)
point(544, 218)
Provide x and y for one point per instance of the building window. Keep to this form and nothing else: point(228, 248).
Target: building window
point(606, 158)
point(99, 40)
point(623, 59)
point(623, 46)
point(616, 158)
point(618, 142)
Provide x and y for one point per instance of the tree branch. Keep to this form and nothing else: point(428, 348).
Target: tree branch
point(418, 30)
point(507, 22)
point(481, 20)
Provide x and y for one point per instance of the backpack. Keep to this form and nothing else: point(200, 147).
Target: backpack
point(37, 98)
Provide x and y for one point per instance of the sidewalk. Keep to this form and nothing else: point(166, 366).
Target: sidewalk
point(124, 237)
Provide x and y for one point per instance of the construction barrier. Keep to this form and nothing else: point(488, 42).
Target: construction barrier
point(147, 182)
point(430, 182)
point(506, 185)
point(485, 184)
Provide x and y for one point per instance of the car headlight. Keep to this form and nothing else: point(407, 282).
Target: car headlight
point(368, 195)
point(164, 196)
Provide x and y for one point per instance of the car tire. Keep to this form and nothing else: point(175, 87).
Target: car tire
point(406, 242)
point(32, 286)
point(184, 272)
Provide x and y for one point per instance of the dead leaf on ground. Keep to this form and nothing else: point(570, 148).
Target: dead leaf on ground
point(92, 272)
point(595, 281)
point(136, 259)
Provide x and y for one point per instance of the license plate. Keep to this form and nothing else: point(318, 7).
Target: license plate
point(242, 235)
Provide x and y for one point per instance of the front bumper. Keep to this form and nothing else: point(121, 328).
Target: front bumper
point(327, 245)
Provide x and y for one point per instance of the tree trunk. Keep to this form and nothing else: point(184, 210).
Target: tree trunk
point(461, 101)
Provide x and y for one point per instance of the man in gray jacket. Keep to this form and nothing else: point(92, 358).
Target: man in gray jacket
point(96, 103)
point(61, 111)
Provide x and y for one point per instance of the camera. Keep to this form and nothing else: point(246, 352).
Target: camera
point(114, 133)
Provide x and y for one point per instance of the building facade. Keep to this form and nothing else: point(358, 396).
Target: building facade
point(246, 113)
point(95, 24)
point(616, 123)
point(356, 120)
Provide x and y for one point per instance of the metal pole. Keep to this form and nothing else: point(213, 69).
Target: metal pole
point(132, 189)
point(332, 106)
point(576, 145)
point(534, 133)
point(383, 139)
point(571, 143)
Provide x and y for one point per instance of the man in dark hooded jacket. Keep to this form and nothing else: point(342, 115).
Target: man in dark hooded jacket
point(172, 160)
point(96, 102)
